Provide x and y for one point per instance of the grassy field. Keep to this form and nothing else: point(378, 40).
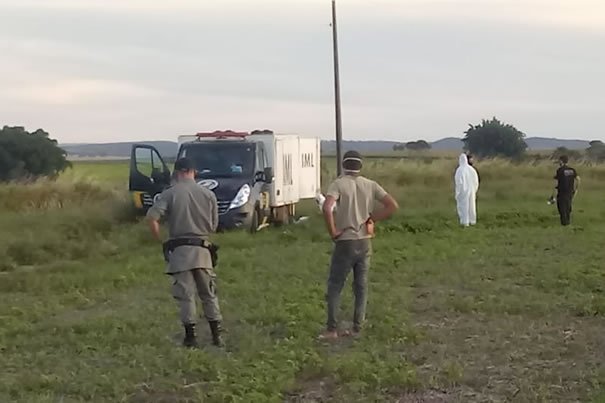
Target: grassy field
point(512, 310)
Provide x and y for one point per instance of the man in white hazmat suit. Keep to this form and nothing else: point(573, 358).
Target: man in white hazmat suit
point(467, 185)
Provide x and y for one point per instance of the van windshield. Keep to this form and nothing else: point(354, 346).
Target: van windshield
point(221, 159)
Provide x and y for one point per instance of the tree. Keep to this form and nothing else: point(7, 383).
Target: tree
point(399, 147)
point(596, 151)
point(493, 138)
point(29, 155)
point(419, 145)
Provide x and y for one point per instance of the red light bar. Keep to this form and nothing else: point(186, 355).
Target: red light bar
point(223, 134)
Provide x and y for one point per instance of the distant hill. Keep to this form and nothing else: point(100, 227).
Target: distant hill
point(452, 144)
point(120, 150)
point(168, 148)
point(329, 147)
point(533, 143)
point(542, 143)
point(448, 144)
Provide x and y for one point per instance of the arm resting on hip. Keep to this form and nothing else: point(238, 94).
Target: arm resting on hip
point(329, 217)
point(390, 205)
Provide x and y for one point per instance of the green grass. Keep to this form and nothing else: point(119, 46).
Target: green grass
point(107, 172)
point(513, 310)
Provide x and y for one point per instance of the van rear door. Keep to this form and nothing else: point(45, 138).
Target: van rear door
point(310, 168)
point(149, 175)
point(286, 170)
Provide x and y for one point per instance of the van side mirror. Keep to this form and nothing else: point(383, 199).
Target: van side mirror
point(268, 175)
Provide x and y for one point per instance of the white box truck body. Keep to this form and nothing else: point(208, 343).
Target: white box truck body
point(296, 163)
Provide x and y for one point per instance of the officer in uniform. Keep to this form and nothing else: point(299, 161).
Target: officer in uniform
point(567, 182)
point(191, 213)
point(351, 227)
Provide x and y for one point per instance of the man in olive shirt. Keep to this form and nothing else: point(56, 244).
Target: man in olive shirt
point(351, 226)
point(192, 214)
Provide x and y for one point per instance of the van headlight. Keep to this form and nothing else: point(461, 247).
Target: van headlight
point(241, 198)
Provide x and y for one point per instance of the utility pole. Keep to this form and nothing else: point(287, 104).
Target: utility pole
point(337, 92)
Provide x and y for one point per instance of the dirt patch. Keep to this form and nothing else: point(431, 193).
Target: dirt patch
point(460, 394)
point(430, 396)
point(320, 390)
point(503, 357)
point(147, 394)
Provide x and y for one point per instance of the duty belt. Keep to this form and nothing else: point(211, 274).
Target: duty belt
point(169, 246)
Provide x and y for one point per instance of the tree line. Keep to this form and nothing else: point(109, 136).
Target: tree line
point(31, 155)
point(595, 152)
point(494, 138)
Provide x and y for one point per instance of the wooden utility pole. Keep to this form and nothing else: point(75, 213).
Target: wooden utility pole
point(337, 92)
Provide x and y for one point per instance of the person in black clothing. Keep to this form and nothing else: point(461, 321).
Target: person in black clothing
point(567, 181)
point(471, 162)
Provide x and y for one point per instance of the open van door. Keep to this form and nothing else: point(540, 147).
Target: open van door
point(149, 175)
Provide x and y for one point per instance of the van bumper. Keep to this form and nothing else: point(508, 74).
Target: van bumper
point(236, 218)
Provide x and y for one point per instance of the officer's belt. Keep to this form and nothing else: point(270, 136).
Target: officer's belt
point(170, 245)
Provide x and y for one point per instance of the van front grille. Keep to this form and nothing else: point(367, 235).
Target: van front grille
point(223, 206)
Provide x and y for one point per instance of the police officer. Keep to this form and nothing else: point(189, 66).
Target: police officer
point(567, 182)
point(191, 213)
point(351, 227)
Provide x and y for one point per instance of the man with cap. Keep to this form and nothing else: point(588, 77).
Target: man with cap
point(351, 227)
point(191, 213)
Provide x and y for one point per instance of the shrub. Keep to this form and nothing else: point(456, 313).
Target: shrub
point(25, 155)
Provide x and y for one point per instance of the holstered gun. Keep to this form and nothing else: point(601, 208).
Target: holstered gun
point(169, 246)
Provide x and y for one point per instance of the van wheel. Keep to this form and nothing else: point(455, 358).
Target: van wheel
point(255, 221)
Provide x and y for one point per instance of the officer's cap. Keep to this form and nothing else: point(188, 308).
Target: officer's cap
point(184, 165)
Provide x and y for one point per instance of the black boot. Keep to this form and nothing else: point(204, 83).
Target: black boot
point(216, 330)
point(190, 340)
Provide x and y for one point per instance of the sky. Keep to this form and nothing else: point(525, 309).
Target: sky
point(123, 70)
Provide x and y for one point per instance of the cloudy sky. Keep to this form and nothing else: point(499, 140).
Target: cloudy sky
point(112, 70)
